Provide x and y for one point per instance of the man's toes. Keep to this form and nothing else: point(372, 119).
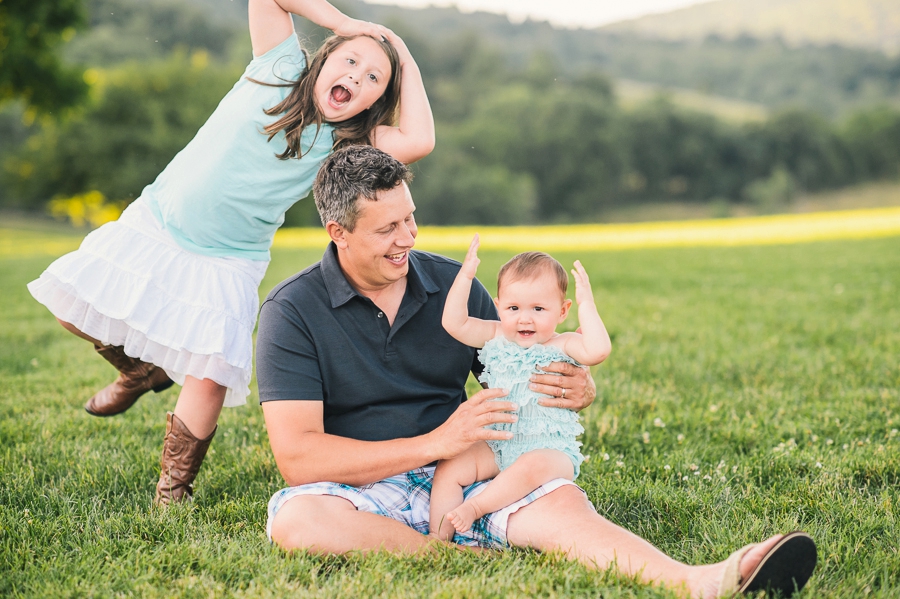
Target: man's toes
point(752, 558)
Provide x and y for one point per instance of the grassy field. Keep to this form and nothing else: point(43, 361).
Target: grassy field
point(751, 390)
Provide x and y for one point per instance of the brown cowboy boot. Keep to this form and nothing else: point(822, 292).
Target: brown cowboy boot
point(182, 456)
point(135, 379)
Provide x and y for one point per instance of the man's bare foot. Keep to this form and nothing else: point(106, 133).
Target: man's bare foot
point(462, 517)
point(707, 579)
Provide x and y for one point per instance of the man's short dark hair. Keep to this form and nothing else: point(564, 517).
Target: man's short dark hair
point(351, 174)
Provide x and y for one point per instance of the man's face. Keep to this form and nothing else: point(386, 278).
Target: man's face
point(376, 254)
point(530, 309)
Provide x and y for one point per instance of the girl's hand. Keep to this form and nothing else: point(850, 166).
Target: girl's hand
point(398, 44)
point(471, 261)
point(353, 27)
point(583, 291)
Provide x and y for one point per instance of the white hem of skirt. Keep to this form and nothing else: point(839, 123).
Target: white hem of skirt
point(131, 284)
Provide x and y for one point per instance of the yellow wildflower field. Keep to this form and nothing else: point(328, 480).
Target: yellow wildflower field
point(756, 230)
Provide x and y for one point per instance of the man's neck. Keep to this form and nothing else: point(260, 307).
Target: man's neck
point(387, 297)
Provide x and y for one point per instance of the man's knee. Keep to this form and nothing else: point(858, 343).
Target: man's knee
point(303, 522)
point(547, 521)
point(539, 467)
point(565, 500)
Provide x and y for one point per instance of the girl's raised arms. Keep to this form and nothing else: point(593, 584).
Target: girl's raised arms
point(413, 137)
point(271, 24)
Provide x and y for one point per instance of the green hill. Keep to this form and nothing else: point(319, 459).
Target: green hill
point(764, 74)
point(862, 23)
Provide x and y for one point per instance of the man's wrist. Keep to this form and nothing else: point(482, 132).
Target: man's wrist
point(428, 449)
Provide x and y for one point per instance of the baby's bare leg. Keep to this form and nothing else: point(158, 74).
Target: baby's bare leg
point(474, 464)
point(527, 473)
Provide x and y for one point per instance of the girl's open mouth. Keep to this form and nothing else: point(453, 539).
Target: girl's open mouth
point(340, 95)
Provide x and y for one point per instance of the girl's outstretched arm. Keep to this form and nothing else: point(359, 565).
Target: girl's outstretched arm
point(413, 138)
point(474, 332)
point(592, 346)
point(271, 24)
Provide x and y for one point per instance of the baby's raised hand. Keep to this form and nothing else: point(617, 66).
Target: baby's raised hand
point(583, 291)
point(471, 261)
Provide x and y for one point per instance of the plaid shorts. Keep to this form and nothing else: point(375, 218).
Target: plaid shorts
point(406, 498)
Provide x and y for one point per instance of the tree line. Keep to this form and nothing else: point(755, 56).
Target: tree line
point(517, 142)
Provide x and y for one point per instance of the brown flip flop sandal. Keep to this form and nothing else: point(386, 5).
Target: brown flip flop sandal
point(786, 568)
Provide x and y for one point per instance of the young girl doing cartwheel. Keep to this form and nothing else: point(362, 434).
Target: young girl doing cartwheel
point(531, 300)
point(169, 291)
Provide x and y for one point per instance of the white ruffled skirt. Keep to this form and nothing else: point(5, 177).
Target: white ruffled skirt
point(131, 284)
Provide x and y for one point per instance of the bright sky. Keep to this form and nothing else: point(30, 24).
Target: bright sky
point(567, 13)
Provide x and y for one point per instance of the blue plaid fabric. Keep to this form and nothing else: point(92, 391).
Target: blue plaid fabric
point(406, 498)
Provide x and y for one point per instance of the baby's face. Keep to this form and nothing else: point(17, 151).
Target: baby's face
point(530, 309)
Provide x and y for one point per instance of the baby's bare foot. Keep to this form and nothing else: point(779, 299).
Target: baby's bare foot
point(462, 517)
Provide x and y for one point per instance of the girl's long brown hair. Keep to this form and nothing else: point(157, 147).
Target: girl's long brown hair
point(298, 110)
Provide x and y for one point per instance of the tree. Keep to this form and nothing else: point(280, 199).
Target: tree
point(30, 33)
point(452, 187)
point(139, 117)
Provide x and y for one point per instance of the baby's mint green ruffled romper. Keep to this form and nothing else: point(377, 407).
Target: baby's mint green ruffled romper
point(509, 366)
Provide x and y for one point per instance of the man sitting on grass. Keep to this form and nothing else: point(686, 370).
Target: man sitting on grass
point(363, 392)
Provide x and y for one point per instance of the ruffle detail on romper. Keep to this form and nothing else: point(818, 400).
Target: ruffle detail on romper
point(509, 366)
point(130, 284)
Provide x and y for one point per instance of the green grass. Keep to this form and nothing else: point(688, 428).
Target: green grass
point(774, 370)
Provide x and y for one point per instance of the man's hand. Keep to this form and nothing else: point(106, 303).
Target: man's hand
point(574, 390)
point(466, 425)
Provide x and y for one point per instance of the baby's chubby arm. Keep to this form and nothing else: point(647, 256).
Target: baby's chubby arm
point(592, 346)
point(474, 332)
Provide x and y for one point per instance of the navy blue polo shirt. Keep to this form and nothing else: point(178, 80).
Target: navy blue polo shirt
point(320, 340)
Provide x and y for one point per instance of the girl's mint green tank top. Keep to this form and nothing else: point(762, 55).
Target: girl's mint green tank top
point(226, 192)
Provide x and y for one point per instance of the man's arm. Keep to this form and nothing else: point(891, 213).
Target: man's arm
point(304, 453)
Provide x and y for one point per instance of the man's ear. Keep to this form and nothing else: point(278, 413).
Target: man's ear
point(565, 310)
point(337, 233)
point(497, 303)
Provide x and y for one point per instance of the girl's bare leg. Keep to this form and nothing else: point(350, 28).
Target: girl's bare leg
point(474, 464)
point(199, 405)
point(527, 473)
point(71, 328)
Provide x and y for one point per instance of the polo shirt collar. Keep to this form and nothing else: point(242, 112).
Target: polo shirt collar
point(418, 282)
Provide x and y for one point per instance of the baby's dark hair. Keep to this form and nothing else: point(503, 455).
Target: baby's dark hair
point(298, 110)
point(529, 265)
